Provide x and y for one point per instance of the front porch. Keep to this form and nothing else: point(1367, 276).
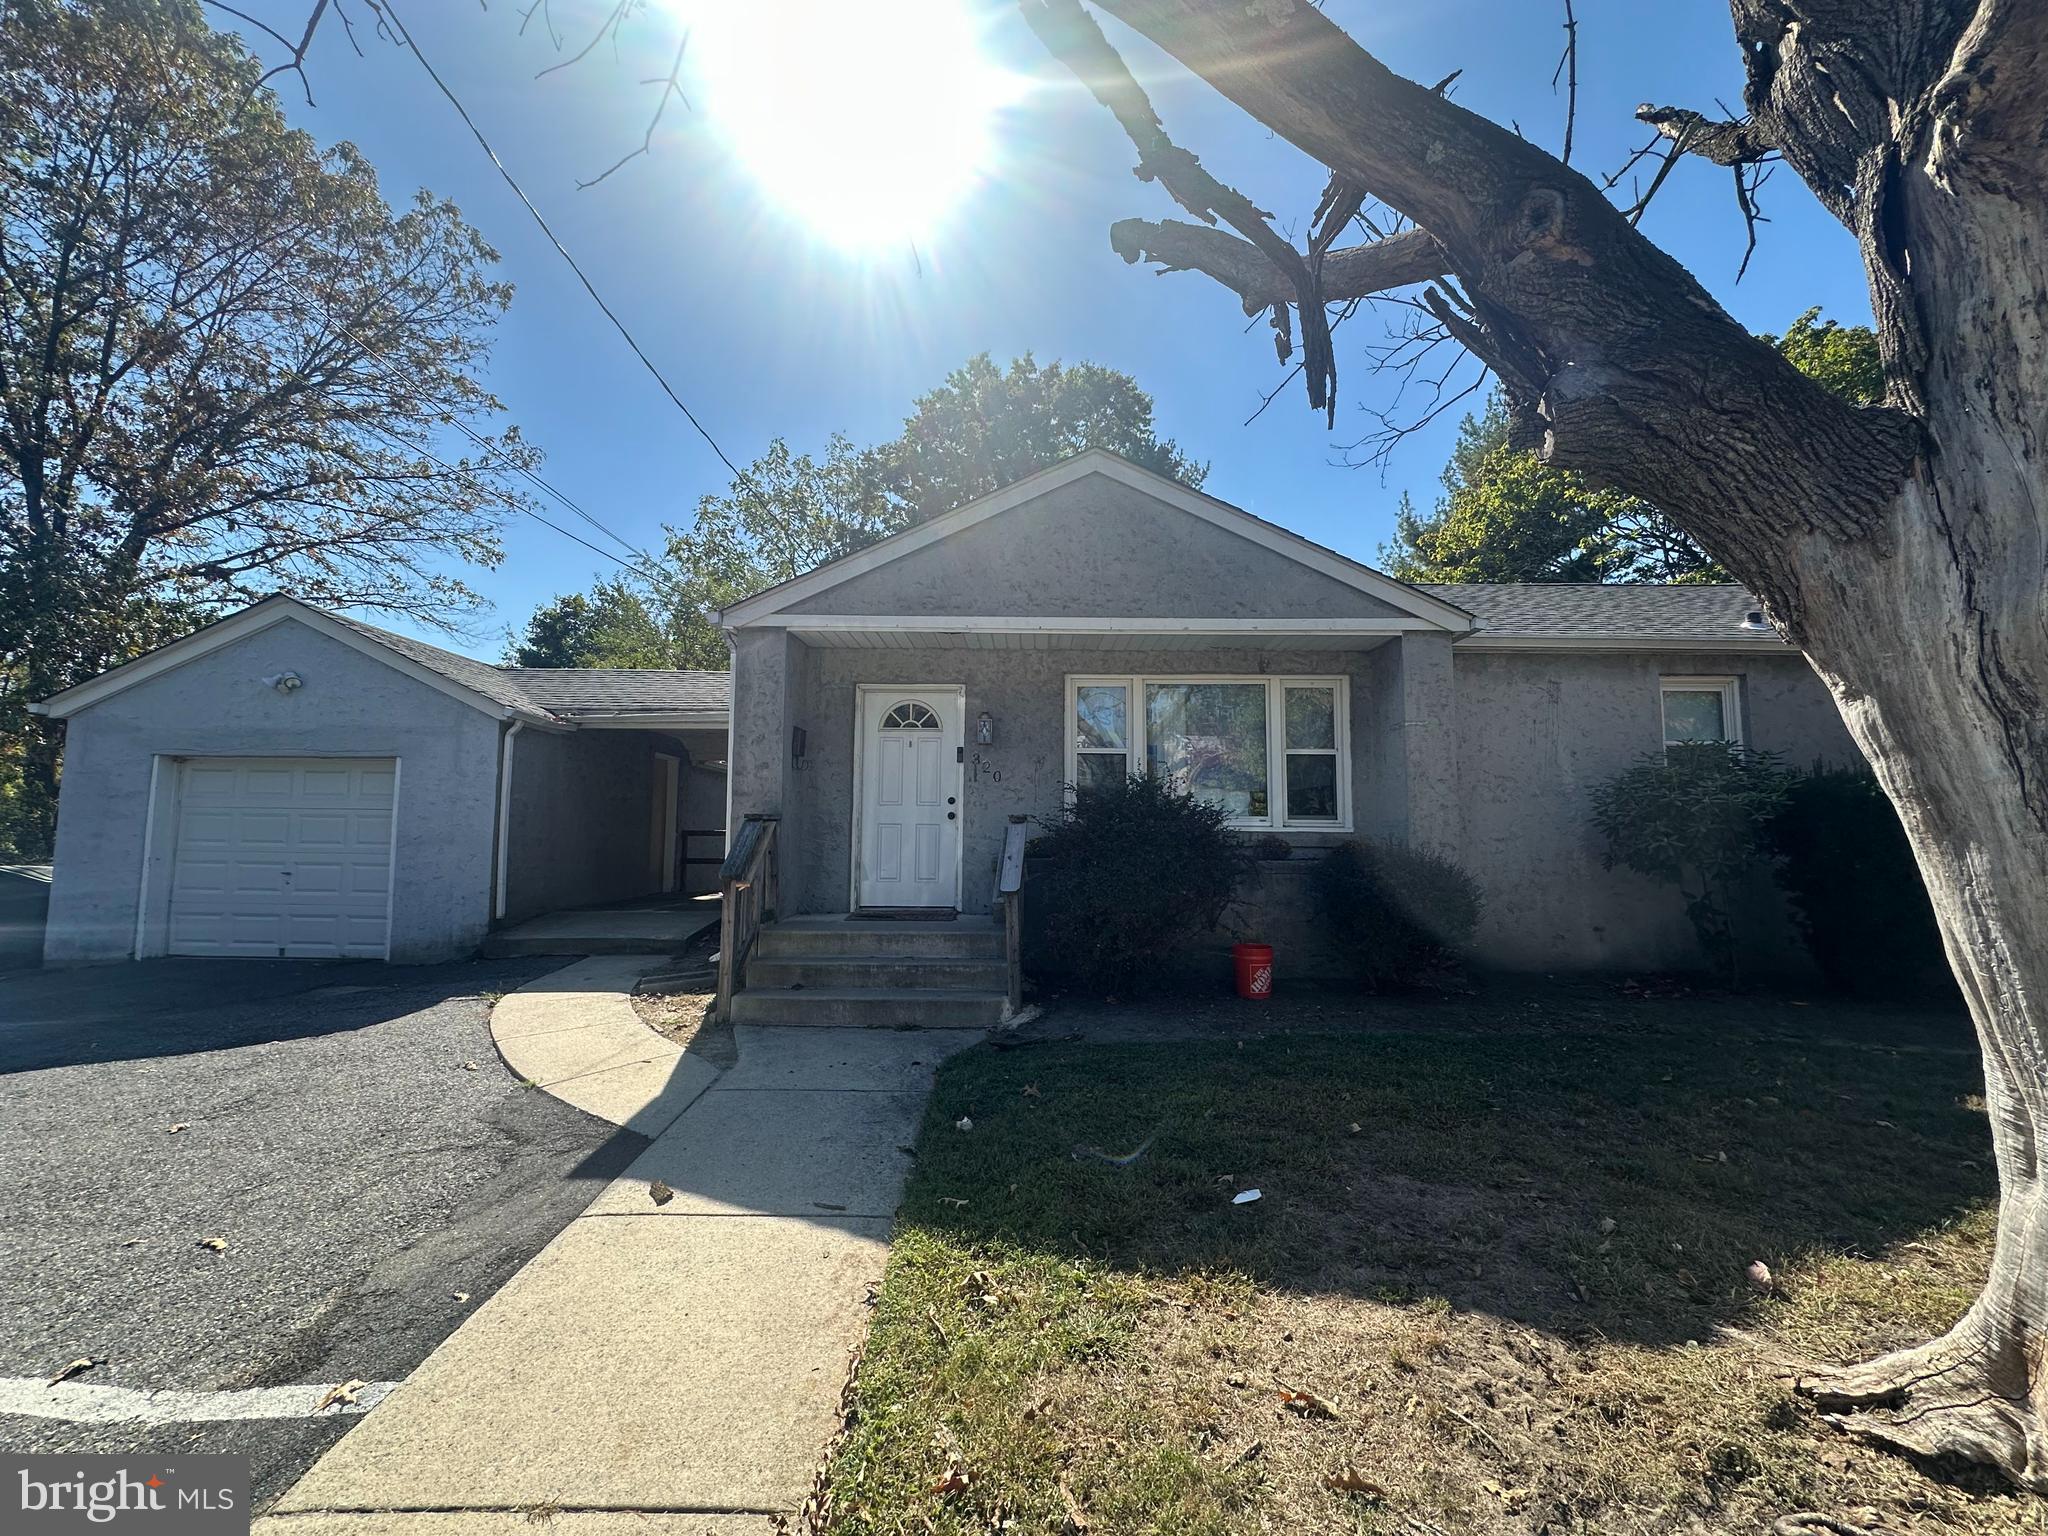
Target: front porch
point(652, 925)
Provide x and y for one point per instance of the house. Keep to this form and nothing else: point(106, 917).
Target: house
point(895, 709)
point(289, 781)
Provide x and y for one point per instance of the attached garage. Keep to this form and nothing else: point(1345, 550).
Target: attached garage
point(284, 857)
point(290, 784)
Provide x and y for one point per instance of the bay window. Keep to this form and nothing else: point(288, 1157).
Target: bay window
point(1270, 751)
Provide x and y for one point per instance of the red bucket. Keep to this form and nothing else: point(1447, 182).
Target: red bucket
point(1254, 969)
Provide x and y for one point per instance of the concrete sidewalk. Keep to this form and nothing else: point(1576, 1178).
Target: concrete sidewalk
point(679, 1364)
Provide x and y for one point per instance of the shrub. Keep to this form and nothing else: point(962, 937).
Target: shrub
point(1855, 891)
point(1131, 870)
point(1399, 914)
point(1271, 849)
point(1694, 814)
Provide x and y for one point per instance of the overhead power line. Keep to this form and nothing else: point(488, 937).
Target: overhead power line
point(405, 36)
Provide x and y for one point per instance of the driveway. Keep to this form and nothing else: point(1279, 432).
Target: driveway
point(348, 1131)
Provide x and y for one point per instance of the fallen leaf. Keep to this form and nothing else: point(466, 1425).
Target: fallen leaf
point(1606, 1225)
point(1235, 1379)
point(1077, 1518)
point(1249, 1453)
point(963, 1124)
point(955, 1479)
point(1348, 1479)
point(1246, 1196)
point(1307, 1404)
point(659, 1192)
point(217, 1244)
point(459, 1295)
point(1357, 1129)
point(469, 1066)
point(1038, 1410)
point(134, 1242)
point(950, 1200)
point(81, 1364)
point(344, 1393)
point(1029, 1090)
point(1759, 1274)
point(182, 1125)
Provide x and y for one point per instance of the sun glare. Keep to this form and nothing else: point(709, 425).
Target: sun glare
point(869, 120)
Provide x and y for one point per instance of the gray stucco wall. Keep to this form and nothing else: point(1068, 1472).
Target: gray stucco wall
point(1092, 549)
point(1025, 693)
point(1535, 733)
point(217, 706)
point(582, 819)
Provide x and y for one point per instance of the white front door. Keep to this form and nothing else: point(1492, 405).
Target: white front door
point(910, 779)
point(287, 856)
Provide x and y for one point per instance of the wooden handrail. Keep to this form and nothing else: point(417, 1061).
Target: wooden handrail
point(1009, 892)
point(748, 895)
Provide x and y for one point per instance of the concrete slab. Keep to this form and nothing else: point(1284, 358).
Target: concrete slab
point(874, 1061)
point(777, 1154)
point(491, 1522)
point(605, 930)
point(691, 1364)
point(575, 1034)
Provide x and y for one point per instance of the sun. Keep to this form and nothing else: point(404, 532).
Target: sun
point(868, 120)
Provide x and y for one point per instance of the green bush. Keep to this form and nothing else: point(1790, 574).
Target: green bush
point(1695, 814)
point(1131, 870)
point(1855, 890)
point(1400, 914)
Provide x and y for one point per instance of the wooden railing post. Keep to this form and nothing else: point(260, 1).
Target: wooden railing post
point(1009, 891)
point(744, 880)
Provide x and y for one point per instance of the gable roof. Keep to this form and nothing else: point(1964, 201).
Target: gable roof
point(1435, 610)
point(1571, 615)
point(538, 695)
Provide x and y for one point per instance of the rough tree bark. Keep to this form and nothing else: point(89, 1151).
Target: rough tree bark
point(1903, 547)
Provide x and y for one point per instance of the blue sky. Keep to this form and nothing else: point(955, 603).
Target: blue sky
point(767, 329)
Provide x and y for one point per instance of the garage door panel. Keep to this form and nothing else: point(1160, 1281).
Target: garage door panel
point(276, 857)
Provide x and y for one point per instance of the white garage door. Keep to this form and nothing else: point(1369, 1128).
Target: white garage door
point(283, 856)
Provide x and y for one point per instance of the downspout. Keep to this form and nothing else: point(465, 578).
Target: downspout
point(504, 815)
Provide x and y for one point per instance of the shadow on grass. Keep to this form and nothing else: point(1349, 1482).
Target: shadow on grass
point(1580, 1183)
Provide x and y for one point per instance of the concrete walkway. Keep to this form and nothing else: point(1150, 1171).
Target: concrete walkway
point(673, 1368)
point(574, 1034)
point(664, 923)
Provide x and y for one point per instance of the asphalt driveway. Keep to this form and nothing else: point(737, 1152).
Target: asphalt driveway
point(348, 1131)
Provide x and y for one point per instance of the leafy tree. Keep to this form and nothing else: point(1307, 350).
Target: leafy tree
point(988, 427)
point(611, 627)
point(1505, 515)
point(221, 355)
point(982, 429)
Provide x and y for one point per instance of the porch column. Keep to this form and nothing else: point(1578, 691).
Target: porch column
point(1426, 740)
point(768, 701)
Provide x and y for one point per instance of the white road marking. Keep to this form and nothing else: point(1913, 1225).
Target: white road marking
point(84, 1403)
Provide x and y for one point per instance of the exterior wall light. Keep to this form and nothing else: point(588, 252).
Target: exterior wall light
point(985, 731)
point(284, 682)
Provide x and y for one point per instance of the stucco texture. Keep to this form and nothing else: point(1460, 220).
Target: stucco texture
point(1022, 774)
point(582, 819)
point(1092, 549)
point(1536, 733)
point(218, 706)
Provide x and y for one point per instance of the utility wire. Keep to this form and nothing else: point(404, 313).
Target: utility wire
point(562, 250)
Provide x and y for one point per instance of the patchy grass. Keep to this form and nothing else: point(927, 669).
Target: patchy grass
point(1515, 1264)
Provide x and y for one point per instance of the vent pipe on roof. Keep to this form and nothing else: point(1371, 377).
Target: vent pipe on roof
point(1753, 621)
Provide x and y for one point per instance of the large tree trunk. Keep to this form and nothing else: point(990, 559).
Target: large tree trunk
point(1935, 643)
point(1905, 548)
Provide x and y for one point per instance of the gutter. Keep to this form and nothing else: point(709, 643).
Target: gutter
point(504, 848)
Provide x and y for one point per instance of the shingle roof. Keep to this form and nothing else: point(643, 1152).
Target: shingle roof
point(564, 693)
point(1591, 610)
point(611, 690)
point(494, 683)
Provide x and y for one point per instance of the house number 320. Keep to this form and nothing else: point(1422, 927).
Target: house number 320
point(985, 768)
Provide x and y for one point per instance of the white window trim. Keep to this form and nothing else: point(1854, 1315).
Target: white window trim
point(1133, 684)
point(1730, 689)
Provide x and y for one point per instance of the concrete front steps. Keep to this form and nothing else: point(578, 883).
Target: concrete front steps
point(875, 973)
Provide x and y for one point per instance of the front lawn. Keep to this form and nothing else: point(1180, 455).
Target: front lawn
point(1507, 1271)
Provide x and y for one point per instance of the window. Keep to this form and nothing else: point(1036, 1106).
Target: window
point(1701, 709)
point(910, 716)
point(1271, 751)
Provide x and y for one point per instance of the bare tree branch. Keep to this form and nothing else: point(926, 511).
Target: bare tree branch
point(1071, 34)
point(1352, 272)
point(671, 90)
point(1568, 66)
point(1740, 142)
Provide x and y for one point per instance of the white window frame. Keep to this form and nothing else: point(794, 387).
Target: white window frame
point(1730, 689)
point(1276, 818)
